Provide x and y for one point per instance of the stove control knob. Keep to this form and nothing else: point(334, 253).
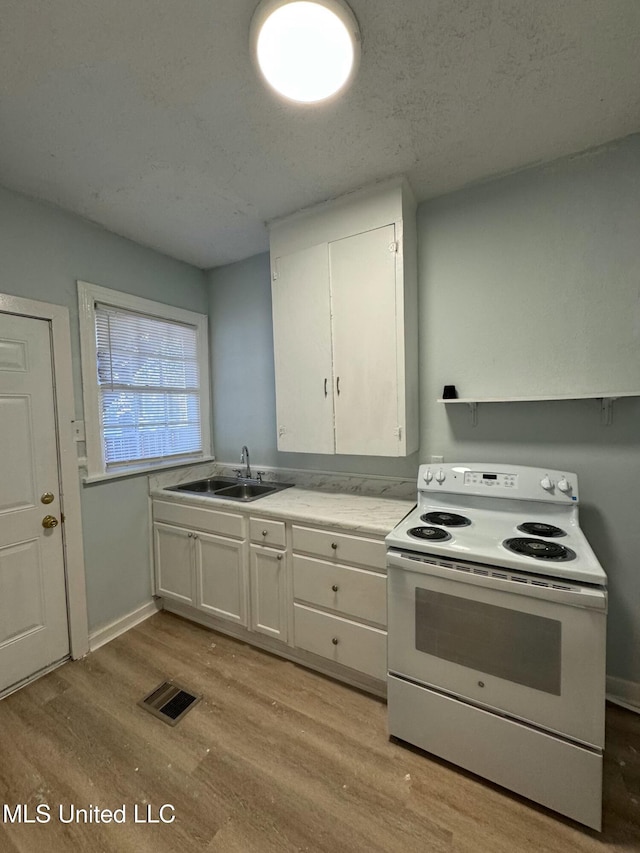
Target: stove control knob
point(564, 485)
point(440, 476)
point(428, 477)
point(547, 483)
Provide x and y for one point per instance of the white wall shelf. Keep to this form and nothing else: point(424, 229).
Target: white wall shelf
point(606, 402)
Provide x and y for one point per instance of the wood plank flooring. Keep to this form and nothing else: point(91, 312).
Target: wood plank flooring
point(275, 758)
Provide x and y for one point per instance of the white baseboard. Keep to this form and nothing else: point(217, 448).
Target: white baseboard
point(624, 693)
point(124, 623)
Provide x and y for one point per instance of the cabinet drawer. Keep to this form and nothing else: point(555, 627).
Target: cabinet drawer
point(353, 592)
point(267, 532)
point(356, 646)
point(208, 520)
point(340, 547)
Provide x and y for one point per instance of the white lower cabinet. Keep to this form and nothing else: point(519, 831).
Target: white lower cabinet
point(205, 567)
point(174, 562)
point(267, 570)
point(340, 598)
point(311, 593)
point(220, 573)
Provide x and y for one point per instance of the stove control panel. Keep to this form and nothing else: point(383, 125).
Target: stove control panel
point(500, 481)
point(490, 479)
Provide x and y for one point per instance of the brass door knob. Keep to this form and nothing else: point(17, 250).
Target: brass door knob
point(47, 498)
point(49, 521)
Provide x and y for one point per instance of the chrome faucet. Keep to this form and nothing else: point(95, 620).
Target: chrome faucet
point(244, 458)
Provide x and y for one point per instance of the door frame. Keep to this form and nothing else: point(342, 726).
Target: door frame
point(64, 410)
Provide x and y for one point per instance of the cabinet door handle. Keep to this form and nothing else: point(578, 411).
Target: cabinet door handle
point(264, 532)
point(325, 386)
point(335, 641)
point(189, 535)
point(334, 545)
point(338, 385)
point(335, 587)
point(279, 557)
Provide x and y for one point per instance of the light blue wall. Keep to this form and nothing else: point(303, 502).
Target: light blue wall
point(43, 251)
point(527, 284)
point(241, 351)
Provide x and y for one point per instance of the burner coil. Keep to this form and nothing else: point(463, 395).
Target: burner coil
point(539, 549)
point(430, 534)
point(539, 528)
point(446, 519)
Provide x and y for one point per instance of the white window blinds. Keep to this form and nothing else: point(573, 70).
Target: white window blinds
point(149, 386)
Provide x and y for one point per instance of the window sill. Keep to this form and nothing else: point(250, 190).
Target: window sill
point(131, 471)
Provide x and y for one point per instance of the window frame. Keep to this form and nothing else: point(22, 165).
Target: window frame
point(88, 296)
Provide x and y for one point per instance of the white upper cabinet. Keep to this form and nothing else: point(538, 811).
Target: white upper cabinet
point(344, 299)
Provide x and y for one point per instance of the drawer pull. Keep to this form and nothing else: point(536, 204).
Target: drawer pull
point(335, 587)
point(335, 641)
point(189, 535)
point(279, 557)
point(264, 532)
point(334, 545)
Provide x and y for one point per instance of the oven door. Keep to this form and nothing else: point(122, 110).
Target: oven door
point(528, 651)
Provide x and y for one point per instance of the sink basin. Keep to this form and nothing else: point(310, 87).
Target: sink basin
point(213, 484)
point(230, 489)
point(246, 491)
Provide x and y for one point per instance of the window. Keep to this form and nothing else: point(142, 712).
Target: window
point(145, 381)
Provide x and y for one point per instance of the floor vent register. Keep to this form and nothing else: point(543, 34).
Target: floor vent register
point(169, 702)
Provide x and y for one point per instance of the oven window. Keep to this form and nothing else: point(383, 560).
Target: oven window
point(516, 646)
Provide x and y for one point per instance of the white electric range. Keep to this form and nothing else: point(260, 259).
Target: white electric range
point(497, 632)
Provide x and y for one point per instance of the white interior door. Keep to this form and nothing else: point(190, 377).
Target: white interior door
point(33, 605)
point(302, 349)
point(365, 363)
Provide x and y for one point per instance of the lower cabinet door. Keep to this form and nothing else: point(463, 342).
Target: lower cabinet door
point(220, 573)
point(174, 562)
point(267, 571)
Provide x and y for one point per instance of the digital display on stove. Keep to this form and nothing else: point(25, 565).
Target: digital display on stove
point(496, 480)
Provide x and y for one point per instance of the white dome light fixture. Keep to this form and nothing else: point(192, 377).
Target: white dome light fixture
point(307, 50)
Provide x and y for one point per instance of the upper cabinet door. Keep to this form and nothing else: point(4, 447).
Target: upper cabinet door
point(365, 342)
point(302, 350)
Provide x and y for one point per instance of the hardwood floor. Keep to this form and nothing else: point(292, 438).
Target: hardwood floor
point(274, 758)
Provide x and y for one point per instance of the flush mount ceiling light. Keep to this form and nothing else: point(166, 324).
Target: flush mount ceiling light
point(307, 50)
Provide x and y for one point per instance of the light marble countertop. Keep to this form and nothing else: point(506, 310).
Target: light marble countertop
point(356, 513)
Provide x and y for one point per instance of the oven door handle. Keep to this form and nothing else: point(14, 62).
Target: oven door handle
point(592, 598)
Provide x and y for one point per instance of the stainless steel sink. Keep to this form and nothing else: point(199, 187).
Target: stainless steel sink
point(213, 484)
point(246, 491)
point(230, 489)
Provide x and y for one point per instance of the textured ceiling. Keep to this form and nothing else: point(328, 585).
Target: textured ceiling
point(146, 115)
